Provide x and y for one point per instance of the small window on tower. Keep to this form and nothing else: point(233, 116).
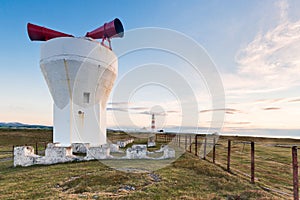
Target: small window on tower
point(86, 97)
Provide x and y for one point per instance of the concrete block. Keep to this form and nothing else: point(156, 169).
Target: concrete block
point(101, 152)
point(80, 147)
point(123, 143)
point(114, 148)
point(168, 152)
point(24, 156)
point(137, 152)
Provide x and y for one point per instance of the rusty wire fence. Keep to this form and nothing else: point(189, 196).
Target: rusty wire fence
point(271, 165)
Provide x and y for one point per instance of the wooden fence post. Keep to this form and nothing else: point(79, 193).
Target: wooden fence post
point(252, 163)
point(36, 148)
point(179, 140)
point(204, 149)
point(295, 173)
point(190, 144)
point(214, 151)
point(228, 155)
point(196, 146)
point(185, 142)
point(13, 151)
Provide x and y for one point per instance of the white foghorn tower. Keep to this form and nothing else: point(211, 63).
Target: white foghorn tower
point(80, 73)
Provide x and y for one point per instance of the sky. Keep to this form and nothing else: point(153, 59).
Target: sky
point(254, 45)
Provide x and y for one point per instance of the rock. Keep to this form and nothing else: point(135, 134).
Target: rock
point(155, 177)
point(95, 197)
point(127, 188)
point(82, 196)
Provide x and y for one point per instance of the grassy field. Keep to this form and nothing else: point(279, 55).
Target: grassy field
point(187, 178)
point(273, 161)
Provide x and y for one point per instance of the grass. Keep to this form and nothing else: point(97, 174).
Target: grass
point(273, 167)
point(10, 137)
point(186, 178)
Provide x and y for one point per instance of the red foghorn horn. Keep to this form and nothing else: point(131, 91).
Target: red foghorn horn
point(108, 30)
point(40, 33)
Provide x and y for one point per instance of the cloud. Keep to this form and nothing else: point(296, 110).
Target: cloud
point(117, 109)
point(118, 103)
point(272, 108)
point(226, 110)
point(155, 113)
point(229, 112)
point(283, 8)
point(143, 110)
point(139, 108)
point(273, 57)
point(237, 123)
point(129, 109)
point(294, 100)
point(173, 111)
point(270, 62)
point(270, 100)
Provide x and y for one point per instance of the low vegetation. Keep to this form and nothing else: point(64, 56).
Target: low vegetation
point(187, 178)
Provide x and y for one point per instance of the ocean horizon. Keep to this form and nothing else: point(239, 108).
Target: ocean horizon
point(269, 133)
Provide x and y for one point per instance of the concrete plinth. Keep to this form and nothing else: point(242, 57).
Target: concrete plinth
point(80, 147)
point(151, 141)
point(124, 143)
point(168, 153)
point(114, 148)
point(101, 152)
point(136, 152)
point(24, 156)
point(57, 154)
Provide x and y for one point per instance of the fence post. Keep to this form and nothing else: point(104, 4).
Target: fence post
point(228, 155)
point(13, 151)
point(45, 144)
point(190, 144)
point(185, 142)
point(295, 173)
point(179, 140)
point(204, 150)
point(196, 146)
point(252, 163)
point(36, 148)
point(214, 151)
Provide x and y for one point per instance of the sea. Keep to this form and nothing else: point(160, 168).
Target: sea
point(269, 133)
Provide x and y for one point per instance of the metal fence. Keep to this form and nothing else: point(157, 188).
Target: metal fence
point(272, 166)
